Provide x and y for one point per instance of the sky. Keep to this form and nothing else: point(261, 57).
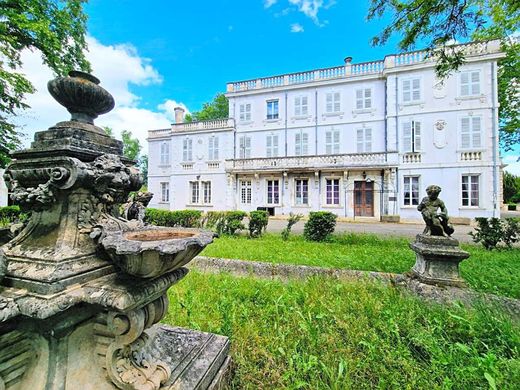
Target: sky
point(155, 55)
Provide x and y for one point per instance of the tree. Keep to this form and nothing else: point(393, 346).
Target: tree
point(218, 108)
point(56, 28)
point(511, 186)
point(131, 146)
point(143, 166)
point(438, 23)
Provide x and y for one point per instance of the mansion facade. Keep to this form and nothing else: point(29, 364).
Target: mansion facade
point(360, 140)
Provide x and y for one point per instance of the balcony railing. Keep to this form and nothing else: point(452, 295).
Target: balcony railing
point(193, 126)
point(368, 160)
point(365, 68)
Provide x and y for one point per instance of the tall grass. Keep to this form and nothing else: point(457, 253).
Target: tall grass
point(494, 272)
point(326, 334)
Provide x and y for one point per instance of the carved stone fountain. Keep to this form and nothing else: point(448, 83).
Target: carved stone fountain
point(81, 289)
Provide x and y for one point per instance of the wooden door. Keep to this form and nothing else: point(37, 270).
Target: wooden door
point(363, 199)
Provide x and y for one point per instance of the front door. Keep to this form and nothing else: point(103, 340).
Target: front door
point(363, 199)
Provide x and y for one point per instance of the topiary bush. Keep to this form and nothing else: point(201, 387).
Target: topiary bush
point(182, 218)
point(319, 225)
point(231, 223)
point(492, 231)
point(257, 223)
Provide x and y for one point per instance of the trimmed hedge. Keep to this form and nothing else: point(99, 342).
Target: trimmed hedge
point(257, 223)
point(183, 218)
point(319, 226)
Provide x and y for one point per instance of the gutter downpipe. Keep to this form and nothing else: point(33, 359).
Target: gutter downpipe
point(316, 122)
point(286, 115)
point(397, 141)
point(495, 138)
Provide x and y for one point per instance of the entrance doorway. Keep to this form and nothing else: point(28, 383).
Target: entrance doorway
point(363, 199)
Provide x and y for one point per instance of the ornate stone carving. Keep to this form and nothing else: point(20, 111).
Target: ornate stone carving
point(16, 354)
point(439, 134)
point(126, 349)
point(136, 206)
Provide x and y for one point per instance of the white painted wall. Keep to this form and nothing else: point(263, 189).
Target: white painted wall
point(3, 189)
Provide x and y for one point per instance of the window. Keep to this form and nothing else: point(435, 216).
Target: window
point(470, 190)
point(271, 142)
point(301, 106)
point(273, 191)
point(194, 189)
point(411, 90)
point(363, 98)
point(470, 83)
point(245, 191)
point(411, 190)
point(302, 191)
point(411, 137)
point(165, 153)
point(470, 136)
point(165, 192)
point(301, 143)
point(364, 140)
point(272, 109)
point(245, 112)
point(332, 142)
point(206, 192)
point(332, 192)
point(333, 100)
point(245, 147)
point(187, 150)
point(213, 148)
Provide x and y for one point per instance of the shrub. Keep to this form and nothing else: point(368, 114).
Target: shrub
point(490, 232)
point(11, 214)
point(183, 218)
point(231, 223)
point(293, 219)
point(257, 223)
point(212, 219)
point(319, 226)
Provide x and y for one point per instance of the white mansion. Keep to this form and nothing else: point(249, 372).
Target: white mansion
point(360, 140)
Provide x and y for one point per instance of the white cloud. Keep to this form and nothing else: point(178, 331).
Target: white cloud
point(269, 3)
point(118, 67)
point(168, 108)
point(309, 8)
point(513, 165)
point(297, 28)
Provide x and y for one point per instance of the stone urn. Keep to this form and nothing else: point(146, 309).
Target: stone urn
point(82, 289)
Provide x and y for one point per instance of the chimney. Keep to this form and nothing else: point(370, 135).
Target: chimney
point(179, 114)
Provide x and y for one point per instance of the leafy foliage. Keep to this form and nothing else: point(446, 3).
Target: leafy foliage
point(11, 214)
point(218, 108)
point(490, 232)
point(511, 186)
point(131, 146)
point(183, 218)
point(55, 28)
point(258, 221)
point(320, 225)
point(231, 223)
point(441, 22)
point(291, 221)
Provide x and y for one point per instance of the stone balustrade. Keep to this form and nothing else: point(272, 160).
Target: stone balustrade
point(361, 69)
point(412, 158)
point(193, 126)
point(471, 156)
point(368, 160)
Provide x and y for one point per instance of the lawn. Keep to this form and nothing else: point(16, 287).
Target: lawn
point(496, 272)
point(327, 334)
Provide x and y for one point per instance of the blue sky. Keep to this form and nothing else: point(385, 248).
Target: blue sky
point(154, 55)
point(198, 46)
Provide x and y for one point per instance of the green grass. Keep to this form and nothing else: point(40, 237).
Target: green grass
point(327, 334)
point(496, 272)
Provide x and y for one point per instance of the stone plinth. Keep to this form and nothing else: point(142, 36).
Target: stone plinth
point(437, 260)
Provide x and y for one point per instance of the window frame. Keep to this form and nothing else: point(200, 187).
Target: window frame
point(244, 146)
point(213, 148)
point(271, 193)
point(275, 107)
point(414, 196)
point(471, 133)
point(363, 99)
point(165, 190)
point(420, 89)
point(415, 136)
point(334, 103)
point(187, 149)
point(470, 192)
point(366, 140)
point(470, 84)
point(246, 186)
point(332, 141)
point(244, 112)
point(301, 195)
point(301, 148)
point(194, 192)
point(332, 197)
point(299, 106)
point(165, 153)
point(271, 147)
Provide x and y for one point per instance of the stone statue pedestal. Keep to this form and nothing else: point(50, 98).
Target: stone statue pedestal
point(437, 260)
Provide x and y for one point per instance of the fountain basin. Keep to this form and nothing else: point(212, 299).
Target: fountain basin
point(152, 251)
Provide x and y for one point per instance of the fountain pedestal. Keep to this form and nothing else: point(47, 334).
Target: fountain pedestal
point(81, 289)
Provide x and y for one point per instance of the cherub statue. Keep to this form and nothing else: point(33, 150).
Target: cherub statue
point(436, 222)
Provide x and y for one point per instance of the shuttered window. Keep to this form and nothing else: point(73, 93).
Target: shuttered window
point(332, 142)
point(411, 137)
point(470, 132)
point(364, 140)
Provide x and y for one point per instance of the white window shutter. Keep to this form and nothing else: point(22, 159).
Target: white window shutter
point(298, 144)
point(417, 135)
point(305, 144)
point(297, 106)
point(407, 137)
point(368, 140)
point(359, 99)
point(329, 102)
point(304, 109)
point(416, 86)
point(465, 141)
point(368, 98)
point(336, 142)
point(475, 83)
point(476, 132)
point(407, 91)
point(337, 103)
point(360, 145)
